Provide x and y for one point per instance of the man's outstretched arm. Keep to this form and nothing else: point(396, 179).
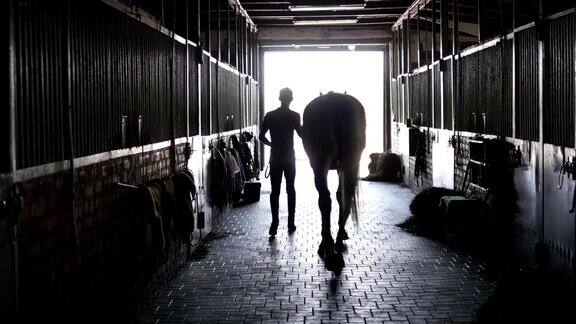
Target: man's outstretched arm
point(263, 130)
point(298, 127)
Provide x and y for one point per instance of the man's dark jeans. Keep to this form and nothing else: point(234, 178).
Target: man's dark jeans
point(288, 168)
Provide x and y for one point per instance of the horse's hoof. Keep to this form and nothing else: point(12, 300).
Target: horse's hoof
point(334, 262)
point(326, 249)
point(339, 247)
point(342, 235)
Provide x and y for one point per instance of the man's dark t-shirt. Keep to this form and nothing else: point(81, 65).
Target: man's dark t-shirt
point(282, 123)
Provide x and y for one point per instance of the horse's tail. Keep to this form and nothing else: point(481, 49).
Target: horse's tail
point(358, 148)
point(349, 178)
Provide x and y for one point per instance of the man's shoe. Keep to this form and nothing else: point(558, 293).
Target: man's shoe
point(273, 229)
point(291, 229)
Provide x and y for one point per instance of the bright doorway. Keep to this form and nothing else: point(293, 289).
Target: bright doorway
point(309, 73)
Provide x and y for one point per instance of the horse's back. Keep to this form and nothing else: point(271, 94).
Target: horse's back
point(334, 125)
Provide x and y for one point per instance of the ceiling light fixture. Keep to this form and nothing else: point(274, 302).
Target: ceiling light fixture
point(328, 8)
point(325, 22)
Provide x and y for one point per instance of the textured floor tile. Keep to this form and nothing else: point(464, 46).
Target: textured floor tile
point(389, 275)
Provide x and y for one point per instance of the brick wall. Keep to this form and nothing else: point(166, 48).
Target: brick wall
point(103, 265)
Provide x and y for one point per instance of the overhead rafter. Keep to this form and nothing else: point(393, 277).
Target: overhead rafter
point(266, 13)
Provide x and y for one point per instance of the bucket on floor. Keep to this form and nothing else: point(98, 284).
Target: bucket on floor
point(252, 192)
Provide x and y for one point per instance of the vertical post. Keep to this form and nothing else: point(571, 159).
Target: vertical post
point(455, 54)
point(67, 95)
point(199, 55)
point(574, 102)
point(254, 54)
point(386, 100)
point(261, 81)
point(245, 47)
point(173, 159)
point(249, 49)
point(236, 38)
point(402, 49)
point(407, 45)
point(480, 8)
point(187, 71)
point(541, 244)
point(244, 52)
point(209, 67)
point(218, 38)
point(418, 48)
point(251, 46)
point(10, 254)
point(228, 33)
point(197, 25)
point(398, 74)
point(433, 30)
point(514, 68)
point(443, 51)
point(241, 42)
point(443, 28)
point(408, 68)
point(208, 27)
point(11, 129)
point(433, 59)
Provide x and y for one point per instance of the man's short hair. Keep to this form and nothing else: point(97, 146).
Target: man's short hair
point(285, 93)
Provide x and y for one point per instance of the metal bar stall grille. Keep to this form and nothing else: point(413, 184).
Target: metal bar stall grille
point(425, 100)
point(7, 128)
point(394, 100)
point(414, 98)
point(437, 96)
point(420, 101)
point(215, 76)
point(559, 101)
point(120, 83)
point(179, 90)
point(494, 109)
point(465, 117)
point(223, 99)
point(215, 103)
point(448, 111)
point(527, 84)
point(40, 105)
point(489, 94)
point(507, 86)
point(255, 103)
point(205, 93)
point(193, 91)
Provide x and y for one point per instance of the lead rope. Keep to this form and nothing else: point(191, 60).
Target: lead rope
point(267, 171)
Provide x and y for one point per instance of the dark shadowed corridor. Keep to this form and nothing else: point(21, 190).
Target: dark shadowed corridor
point(239, 275)
point(135, 136)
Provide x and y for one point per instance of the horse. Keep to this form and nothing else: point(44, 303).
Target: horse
point(334, 136)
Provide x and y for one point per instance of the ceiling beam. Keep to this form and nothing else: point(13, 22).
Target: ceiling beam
point(353, 34)
point(360, 12)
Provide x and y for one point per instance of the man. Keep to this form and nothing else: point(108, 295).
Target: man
point(282, 123)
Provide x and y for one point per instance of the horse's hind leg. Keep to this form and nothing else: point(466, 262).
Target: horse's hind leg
point(324, 203)
point(346, 191)
point(342, 213)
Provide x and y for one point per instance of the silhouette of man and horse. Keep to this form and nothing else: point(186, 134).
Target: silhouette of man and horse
point(334, 135)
